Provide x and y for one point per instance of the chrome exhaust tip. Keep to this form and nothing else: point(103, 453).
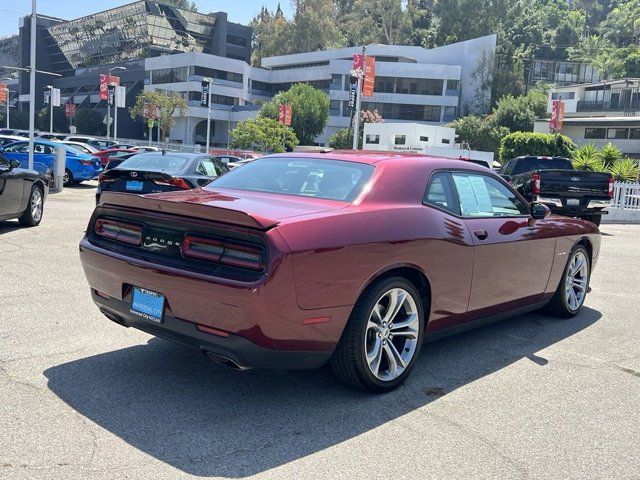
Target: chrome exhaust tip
point(226, 361)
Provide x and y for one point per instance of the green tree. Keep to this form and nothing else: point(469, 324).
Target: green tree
point(89, 122)
point(60, 122)
point(519, 113)
point(167, 104)
point(529, 143)
point(314, 27)
point(270, 35)
point(601, 54)
point(342, 139)
point(479, 133)
point(309, 110)
point(263, 134)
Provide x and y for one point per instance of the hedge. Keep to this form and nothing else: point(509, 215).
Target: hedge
point(517, 144)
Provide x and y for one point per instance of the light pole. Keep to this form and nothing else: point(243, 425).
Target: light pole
point(109, 101)
point(50, 87)
point(209, 80)
point(32, 81)
point(356, 127)
point(8, 98)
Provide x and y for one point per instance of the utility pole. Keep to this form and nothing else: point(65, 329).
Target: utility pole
point(109, 100)
point(32, 82)
point(209, 80)
point(8, 92)
point(356, 125)
point(50, 87)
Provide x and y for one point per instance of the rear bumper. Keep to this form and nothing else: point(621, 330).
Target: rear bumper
point(242, 352)
point(557, 206)
point(86, 173)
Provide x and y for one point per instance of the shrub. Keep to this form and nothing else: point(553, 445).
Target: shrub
point(585, 157)
point(610, 155)
point(624, 170)
point(342, 139)
point(529, 143)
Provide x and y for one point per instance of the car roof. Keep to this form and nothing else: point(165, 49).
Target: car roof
point(373, 157)
point(185, 155)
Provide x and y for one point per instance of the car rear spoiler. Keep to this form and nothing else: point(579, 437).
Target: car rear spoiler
point(184, 207)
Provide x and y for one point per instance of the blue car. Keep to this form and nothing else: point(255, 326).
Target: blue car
point(79, 166)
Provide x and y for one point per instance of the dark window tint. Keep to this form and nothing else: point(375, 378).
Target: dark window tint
point(529, 164)
point(440, 193)
point(329, 179)
point(482, 196)
point(400, 139)
point(373, 139)
point(595, 133)
point(155, 163)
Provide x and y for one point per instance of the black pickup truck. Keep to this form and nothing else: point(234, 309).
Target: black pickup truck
point(554, 182)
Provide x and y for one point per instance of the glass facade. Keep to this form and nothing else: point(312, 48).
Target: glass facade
point(134, 31)
point(9, 56)
point(400, 111)
point(562, 72)
point(412, 86)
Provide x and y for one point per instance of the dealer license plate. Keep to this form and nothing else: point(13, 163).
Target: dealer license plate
point(133, 186)
point(147, 305)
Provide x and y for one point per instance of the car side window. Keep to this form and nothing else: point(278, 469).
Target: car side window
point(207, 167)
point(440, 193)
point(483, 196)
point(23, 148)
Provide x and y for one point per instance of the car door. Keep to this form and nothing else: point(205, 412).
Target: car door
point(11, 188)
point(513, 254)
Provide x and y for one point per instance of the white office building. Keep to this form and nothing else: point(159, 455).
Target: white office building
point(599, 113)
point(412, 84)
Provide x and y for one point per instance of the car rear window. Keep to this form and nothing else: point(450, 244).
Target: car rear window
point(533, 163)
point(155, 163)
point(304, 177)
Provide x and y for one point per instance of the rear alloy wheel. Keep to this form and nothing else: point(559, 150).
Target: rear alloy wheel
point(67, 179)
point(383, 337)
point(33, 214)
point(574, 285)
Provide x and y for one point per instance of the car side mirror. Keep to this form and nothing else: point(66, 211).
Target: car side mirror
point(539, 211)
point(14, 164)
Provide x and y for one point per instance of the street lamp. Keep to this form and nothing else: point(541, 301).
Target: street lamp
point(8, 95)
point(209, 80)
point(356, 127)
point(50, 87)
point(109, 102)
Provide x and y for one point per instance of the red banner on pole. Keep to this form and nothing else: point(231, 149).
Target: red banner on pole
point(70, 109)
point(3, 92)
point(105, 81)
point(557, 116)
point(358, 61)
point(284, 114)
point(369, 76)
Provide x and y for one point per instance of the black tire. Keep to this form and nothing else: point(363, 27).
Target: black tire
point(349, 359)
point(68, 178)
point(28, 218)
point(559, 305)
point(596, 218)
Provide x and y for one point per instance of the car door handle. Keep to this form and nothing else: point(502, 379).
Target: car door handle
point(481, 234)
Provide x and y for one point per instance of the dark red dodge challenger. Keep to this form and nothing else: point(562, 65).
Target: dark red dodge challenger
point(298, 259)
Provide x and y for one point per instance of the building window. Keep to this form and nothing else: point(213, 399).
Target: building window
point(595, 133)
point(618, 133)
point(234, 40)
point(373, 139)
point(423, 138)
point(446, 140)
point(217, 74)
point(336, 79)
point(563, 95)
point(453, 84)
point(400, 139)
point(634, 133)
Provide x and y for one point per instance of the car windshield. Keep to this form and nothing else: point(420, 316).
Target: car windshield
point(305, 177)
point(155, 163)
point(533, 163)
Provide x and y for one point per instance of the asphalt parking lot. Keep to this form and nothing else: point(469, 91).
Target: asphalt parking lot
point(532, 397)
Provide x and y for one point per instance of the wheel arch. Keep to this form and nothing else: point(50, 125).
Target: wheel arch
point(586, 243)
point(413, 273)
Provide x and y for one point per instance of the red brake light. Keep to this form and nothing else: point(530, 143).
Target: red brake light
point(119, 231)
point(212, 250)
point(535, 183)
point(104, 178)
point(611, 185)
point(174, 182)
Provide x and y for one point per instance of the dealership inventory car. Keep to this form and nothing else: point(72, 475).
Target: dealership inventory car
point(79, 166)
point(106, 155)
point(297, 259)
point(152, 172)
point(7, 139)
point(22, 193)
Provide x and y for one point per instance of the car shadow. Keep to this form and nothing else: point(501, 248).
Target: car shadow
point(172, 403)
point(81, 186)
point(7, 226)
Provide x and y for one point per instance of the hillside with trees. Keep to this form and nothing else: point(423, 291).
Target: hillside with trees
point(598, 32)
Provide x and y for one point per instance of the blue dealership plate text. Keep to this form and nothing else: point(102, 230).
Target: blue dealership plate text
point(147, 304)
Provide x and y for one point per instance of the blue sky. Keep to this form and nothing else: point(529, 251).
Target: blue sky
point(241, 11)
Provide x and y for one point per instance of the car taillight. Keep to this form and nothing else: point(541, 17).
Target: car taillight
point(174, 182)
point(87, 162)
point(103, 177)
point(119, 231)
point(222, 252)
point(611, 185)
point(535, 183)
